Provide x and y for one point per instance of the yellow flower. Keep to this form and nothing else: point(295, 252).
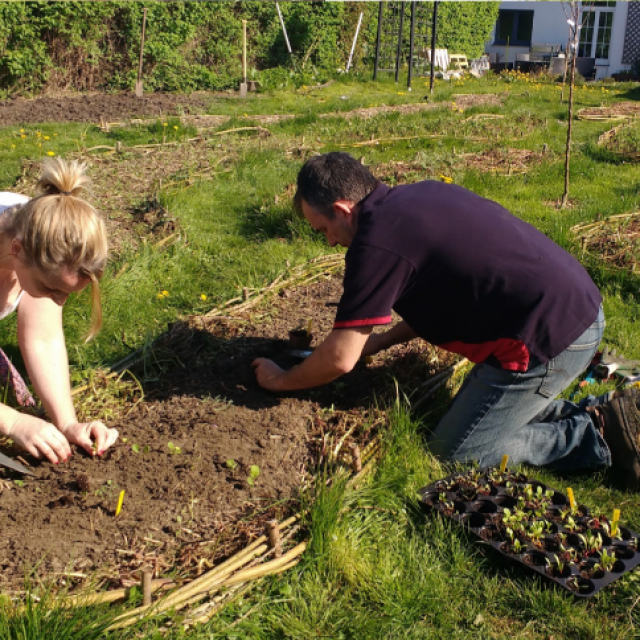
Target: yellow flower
point(21, 130)
point(245, 115)
point(50, 153)
point(446, 179)
point(46, 137)
point(38, 134)
point(23, 136)
point(203, 296)
point(175, 127)
point(160, 296)
point(400, 93)
point(13, 146)
point(55, 134)
point(165, 124)
point(165, 293)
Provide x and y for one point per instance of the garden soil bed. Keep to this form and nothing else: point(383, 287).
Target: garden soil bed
point(187, 510)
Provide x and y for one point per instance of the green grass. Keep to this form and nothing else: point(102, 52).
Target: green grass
point(377, 567)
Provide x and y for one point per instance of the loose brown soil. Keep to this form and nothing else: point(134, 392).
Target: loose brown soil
point(92, 107)
point(189, 508)
point(619, 110)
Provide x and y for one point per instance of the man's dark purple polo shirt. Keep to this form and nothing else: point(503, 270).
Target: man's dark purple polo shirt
point(466, 275)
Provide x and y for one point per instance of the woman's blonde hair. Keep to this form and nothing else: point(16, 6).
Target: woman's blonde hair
point(59, 230)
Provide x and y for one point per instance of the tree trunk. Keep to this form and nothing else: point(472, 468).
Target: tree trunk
point(565, 196)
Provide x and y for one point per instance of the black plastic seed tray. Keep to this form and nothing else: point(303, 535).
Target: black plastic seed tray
point(535, 525)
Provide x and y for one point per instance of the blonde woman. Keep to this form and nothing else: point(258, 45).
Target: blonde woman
point(50, 246)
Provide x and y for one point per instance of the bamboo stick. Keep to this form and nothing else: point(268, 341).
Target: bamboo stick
point(217, 574)
point(113, 595)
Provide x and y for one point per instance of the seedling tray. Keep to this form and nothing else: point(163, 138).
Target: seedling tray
point(570, 546)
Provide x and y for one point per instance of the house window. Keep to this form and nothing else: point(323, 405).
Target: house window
point(595, 36)
point(514, 28)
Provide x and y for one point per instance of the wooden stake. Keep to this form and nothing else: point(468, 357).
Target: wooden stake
point(245, 293)
point(357, 459)
point(147, 573)
point(273, 529)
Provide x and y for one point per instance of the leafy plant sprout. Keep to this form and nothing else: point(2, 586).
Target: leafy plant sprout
point(559, 563)
point(606, 561)
point(571, 525)
point(254, 472)
point(536, 530)
point(232, 464)
point(592, 543)
point(173, 450)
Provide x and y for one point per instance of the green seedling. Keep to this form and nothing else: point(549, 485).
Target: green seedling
point(231, 464)
point(517, 546)
point(548, 527)
point(571, 525)
point(19, 483)
point(135, 448)
point(591, 543)
point(559, 563)
point(606, 561)
point(173, 450)
point(254, 472)
point(536, 530)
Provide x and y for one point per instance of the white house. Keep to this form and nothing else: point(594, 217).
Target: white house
point(610, 33)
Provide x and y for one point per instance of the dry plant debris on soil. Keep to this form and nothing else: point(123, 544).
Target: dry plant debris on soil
point(614, 112)
point(615, 240)
point(186, 507)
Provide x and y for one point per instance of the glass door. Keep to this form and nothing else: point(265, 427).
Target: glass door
point(595, 36)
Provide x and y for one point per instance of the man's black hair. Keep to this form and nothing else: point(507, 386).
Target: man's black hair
point(330, 177)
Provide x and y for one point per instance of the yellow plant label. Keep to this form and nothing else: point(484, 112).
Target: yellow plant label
point(572, 500)
point(503, 464)
point(614, 520)
point(120, 501)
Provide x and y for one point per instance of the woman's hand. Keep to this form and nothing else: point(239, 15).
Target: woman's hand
point(85, 433)
point(39, 438)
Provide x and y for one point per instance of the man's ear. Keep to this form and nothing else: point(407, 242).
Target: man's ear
point(343, 208)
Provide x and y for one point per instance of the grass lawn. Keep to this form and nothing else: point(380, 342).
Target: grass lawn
point(377, 567)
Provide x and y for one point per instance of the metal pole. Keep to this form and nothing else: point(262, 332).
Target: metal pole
point(434, 24)
point(375, 67)
point(413, 21)
point(399, 51)
point(284, 31)
point(355, 39)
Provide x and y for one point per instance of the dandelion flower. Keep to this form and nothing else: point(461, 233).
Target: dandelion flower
point(13, 146)
point(23, 136)
point(203, 296)
point(165, 293)
point(46, 137)
point(55, 135)
point(175, 127)
point(21, 130)
point(165, 124)
point(50, 153)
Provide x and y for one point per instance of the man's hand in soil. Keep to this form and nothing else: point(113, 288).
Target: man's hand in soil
point(337, 355)
point(85, 433)
point(39, 438)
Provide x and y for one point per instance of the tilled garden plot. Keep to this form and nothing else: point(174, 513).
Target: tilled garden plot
point(185, 505)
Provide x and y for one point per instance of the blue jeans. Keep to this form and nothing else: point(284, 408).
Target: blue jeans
point(499, 412)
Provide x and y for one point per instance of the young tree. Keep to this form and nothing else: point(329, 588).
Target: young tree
point(577, 13)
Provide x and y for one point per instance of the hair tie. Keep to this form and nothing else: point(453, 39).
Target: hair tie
point(66, 193)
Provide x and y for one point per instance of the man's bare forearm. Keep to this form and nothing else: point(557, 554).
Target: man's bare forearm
point(398, 334)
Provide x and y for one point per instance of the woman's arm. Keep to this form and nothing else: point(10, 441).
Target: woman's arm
point(41, 340)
